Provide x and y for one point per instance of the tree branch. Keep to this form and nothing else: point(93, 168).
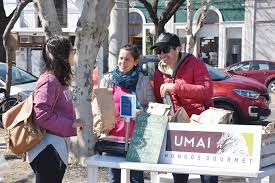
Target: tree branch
point(205, 5)
point(19, 7)
point(150, 9)
point(170, 10)
point(15, 15)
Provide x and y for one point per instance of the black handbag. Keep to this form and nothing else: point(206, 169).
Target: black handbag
point(112, 148)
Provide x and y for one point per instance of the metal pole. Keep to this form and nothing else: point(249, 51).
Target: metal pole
point(127, 134)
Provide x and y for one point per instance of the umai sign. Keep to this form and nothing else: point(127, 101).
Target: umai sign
point(221, 146)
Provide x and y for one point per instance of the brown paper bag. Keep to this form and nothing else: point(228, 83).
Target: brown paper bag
point(103, 109)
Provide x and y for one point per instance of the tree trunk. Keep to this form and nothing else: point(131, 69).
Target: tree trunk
point(159, 28)
point(191, 33)
point(16, 14)
point(90, 32)
point(189, 27)
point(48, 16)
point(3, 20)
point(118, 31)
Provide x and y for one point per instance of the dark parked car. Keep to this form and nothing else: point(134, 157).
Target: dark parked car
point(261, 70)
point(248, 98)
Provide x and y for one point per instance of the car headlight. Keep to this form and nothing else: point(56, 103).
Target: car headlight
point(247, 93)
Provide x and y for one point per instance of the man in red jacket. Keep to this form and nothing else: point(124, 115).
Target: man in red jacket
point(185, 78)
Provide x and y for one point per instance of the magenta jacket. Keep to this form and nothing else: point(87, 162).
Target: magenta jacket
point(53, 108)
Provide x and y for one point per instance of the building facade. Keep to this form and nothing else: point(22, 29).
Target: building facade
point(220, 39)
point(28, 35)
point(259, 39)
point(233, 31)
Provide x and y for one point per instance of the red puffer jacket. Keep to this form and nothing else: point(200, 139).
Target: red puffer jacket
point(193, 88)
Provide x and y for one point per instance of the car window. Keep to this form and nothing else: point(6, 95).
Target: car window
point(243, 66)
point(271, 66)
point(3, 72)
point(215, 74)
point(259, 66)
point(18, 76)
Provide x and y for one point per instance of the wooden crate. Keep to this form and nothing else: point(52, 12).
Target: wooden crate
point(268, 150)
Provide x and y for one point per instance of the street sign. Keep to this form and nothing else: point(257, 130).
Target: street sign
point(128, 106)
point(127, 110)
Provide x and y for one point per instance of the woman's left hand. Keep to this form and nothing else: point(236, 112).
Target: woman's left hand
point(79, 124)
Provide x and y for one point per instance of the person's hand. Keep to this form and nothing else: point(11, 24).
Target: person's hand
point(119, 118)
point(78, 124)
point(138, 111)
point(166, 88)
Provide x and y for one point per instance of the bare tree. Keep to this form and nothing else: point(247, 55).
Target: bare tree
point(170, 9)
point(192, 32)
point(48, 16)
point(15, 15)
point(4, 22)
point(91, 30)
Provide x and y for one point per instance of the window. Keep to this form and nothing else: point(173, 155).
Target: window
point(38, 39)
point(260, 66)
point(240, 67)
point(61, 10)
point(135, 24)
point(211, 17)
point(272, 66)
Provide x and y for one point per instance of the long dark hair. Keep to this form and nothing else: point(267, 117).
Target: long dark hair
point(56, 53)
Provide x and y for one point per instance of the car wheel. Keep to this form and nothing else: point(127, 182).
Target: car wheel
point(235, 116)
point(271, 86)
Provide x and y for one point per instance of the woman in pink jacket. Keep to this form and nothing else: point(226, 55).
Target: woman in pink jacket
point(54, 112)
point(126, 78)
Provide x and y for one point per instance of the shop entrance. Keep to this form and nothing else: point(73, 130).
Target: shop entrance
point(209, 50)
point(135, 30)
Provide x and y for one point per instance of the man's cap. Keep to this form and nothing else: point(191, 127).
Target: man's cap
point(167, 39)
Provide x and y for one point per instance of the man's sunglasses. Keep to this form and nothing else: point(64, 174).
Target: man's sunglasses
point(163, 50)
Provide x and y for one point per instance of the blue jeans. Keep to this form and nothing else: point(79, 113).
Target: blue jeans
point(183, 178)
point(135, 176)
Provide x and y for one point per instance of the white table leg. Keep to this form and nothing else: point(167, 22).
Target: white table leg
point(125, 176)
point(253, 180)
point(154, 177)
point(92, 174)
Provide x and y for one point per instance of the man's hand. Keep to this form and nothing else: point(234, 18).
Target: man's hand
point(166, 88)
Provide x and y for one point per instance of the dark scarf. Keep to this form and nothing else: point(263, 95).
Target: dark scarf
point(128, 80)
